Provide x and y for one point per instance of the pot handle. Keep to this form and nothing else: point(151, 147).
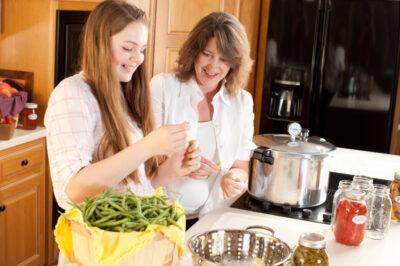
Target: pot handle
point(264, 155)
point(266, 228)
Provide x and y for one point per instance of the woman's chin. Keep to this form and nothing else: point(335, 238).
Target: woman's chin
point(125, 78)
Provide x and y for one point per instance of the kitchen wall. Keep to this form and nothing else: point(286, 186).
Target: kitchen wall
point(27, 43)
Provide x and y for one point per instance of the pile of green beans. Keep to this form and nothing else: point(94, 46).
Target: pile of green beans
point(126, 212)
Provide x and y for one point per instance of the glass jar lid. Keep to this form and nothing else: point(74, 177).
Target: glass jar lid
point(283, 143)
point(31, 105)
point(312, 240)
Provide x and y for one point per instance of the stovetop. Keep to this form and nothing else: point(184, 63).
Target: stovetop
point(318, 214)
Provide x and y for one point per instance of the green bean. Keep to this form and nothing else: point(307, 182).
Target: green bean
point(125, 212)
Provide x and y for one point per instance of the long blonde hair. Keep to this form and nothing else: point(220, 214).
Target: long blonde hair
point(232, 43)
point(117, 100)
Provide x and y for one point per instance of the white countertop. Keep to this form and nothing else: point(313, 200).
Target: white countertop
point(357, 162)
point(346, 161)
point(370, 252)
point(22, 136)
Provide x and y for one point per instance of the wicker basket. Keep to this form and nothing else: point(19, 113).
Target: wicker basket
point(7, 130)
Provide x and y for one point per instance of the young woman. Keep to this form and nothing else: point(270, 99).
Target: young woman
point(100, 122)
point(213, 67)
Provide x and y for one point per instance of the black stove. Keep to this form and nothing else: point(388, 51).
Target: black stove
point(318, 214)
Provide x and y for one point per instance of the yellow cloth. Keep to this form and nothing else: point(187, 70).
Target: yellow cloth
point(112, 248)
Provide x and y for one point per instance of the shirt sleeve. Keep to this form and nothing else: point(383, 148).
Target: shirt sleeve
point(70, 127)
point(157, 87)
point(246, 142)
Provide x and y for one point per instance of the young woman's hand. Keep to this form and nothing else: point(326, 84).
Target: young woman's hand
point(207, 168)
point(181, 165)
point(168, 139)
point(234, 182)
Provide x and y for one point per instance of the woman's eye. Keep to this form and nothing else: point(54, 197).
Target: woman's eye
point(127, 49)
point(206, 53)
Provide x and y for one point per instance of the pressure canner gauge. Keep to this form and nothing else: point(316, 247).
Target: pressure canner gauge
point(294, 130)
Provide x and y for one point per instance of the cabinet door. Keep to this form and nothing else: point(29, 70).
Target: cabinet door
point(22, 214)
point(175, 19)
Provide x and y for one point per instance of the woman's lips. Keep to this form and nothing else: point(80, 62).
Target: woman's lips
point(209, 75)
point(129, 68)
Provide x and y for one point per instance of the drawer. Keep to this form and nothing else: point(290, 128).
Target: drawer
point(22, 159)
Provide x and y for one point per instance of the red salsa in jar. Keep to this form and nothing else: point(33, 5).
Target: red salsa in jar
point(351, 217)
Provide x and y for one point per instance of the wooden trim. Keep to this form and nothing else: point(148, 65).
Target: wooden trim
point(1, 17)
point(249, 16)
point(16, 74)
point(395, 140)
point(150, 45)
point(262, 43)
point(87, 5)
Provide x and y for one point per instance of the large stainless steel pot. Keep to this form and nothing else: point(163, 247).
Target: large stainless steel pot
point(290, 170)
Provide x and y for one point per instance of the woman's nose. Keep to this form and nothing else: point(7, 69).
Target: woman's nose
point(135, 56)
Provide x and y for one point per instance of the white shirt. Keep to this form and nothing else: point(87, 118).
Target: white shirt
point(232, 119)
point(74, 130)
point(193, 193)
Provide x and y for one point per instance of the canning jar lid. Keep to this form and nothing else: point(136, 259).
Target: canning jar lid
point(283, 143)
point(31, 105)
point(312, 240)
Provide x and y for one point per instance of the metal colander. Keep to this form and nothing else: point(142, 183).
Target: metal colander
point(238, 247)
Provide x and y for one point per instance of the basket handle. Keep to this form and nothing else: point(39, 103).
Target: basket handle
point(266, 228)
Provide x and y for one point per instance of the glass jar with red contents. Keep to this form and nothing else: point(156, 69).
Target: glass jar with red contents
point(351, 217)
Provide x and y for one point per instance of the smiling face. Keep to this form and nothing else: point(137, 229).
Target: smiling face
point(128, 49)
point(210, 66)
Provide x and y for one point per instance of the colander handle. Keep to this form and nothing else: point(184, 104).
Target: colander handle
point(266, 228)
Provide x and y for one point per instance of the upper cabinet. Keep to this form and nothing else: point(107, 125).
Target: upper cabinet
point(174, 19)
point(28, 34)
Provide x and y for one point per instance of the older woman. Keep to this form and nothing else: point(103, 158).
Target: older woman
point(206, 90)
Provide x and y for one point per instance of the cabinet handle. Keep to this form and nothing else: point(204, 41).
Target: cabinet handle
point(2, 207)
point(24, 162)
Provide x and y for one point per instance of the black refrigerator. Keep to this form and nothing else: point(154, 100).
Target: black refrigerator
point(333, 66)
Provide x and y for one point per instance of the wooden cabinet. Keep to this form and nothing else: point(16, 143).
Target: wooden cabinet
point(22, 204)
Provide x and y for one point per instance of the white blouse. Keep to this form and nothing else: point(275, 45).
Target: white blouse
point(74, 130)
point(232, 119)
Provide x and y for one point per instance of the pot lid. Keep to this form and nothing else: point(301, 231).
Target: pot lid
point(300, 145)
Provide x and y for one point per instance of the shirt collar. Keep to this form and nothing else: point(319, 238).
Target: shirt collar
point(223, 95)
point(192, 88)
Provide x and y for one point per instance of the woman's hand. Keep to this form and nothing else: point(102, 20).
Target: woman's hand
point(168, 139)
point(234, 182)
point(207, 168)
point(177, 165)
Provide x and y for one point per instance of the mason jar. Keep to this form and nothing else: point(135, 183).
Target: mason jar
point(379, 213)
point(343, 184)
point(395, 196)
point(310, 251)
point(351, 218)
point(364, 183)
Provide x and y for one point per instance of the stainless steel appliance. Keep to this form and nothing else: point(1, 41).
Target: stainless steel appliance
point(345, 56)
point(290, 169)
point(317, 214)
point(286, 94)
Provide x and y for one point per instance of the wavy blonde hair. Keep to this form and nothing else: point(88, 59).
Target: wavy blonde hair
point(232, 43)
point(117, 100)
